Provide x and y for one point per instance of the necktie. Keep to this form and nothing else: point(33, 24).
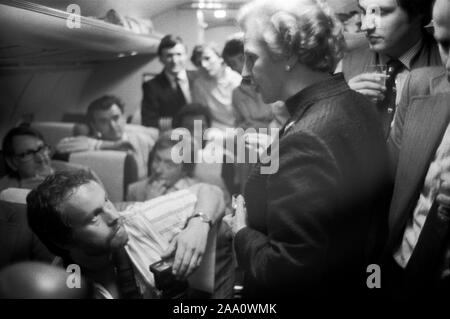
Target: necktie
point(387, 106)
point(125, 275)
point(182, 90)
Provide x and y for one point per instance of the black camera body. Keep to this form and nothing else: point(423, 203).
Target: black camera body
point(168, 285)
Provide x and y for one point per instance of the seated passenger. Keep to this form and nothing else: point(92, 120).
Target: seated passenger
point(73, 217)
point(166, 176)
point(27, 159)
point(110, 132)
point(211, 151)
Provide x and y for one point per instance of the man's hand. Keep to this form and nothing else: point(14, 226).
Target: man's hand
point(188, 246)
point(77, 144)
point(156, 188)
point(370, 85)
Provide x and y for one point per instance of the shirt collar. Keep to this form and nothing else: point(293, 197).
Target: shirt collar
point(315, 92)
point(407, 57)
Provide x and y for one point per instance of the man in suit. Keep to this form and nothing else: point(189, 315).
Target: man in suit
point(397, 38)
point(419, 145)
point(166, 93)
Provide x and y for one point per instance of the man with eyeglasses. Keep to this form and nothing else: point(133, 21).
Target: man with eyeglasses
point(28, 159)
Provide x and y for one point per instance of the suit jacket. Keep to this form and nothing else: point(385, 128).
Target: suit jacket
point(309, 223)
point(421, 121)
point(17, 241)
point(161, 100)
point(420, 82)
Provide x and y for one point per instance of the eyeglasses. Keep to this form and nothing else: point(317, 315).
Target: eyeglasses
point(29, 155)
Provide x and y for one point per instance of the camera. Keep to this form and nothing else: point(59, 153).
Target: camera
point(169, 286)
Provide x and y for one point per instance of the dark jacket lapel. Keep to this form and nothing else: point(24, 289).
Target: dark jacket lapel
point(425, 125)
point(174, 98)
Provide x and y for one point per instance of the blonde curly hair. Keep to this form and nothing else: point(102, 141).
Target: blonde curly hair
point(307, 29)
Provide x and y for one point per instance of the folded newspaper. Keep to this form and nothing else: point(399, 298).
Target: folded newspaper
point(152, 224)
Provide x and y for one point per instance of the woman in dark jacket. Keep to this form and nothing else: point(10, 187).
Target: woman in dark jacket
point(306, 227)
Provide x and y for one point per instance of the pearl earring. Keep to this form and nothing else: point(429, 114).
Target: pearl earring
point(288, 68)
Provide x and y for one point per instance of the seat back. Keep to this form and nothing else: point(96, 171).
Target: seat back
point(115, 169)
point(53, 132)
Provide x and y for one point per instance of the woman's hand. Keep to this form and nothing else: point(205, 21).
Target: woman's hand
point(257, 142)
point(238, 220)
point(188, 247)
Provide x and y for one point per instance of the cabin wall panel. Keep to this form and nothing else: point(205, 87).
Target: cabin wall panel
point(122, 78)
point(45, 94)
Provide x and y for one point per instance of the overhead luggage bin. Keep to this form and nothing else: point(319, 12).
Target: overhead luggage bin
point(33, 34)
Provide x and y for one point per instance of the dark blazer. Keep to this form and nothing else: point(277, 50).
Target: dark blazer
point(17, 241)
point(161, 100)
point(422, 118)
point(310, 224)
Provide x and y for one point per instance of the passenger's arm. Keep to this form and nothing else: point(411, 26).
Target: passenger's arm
point(84, 143)
point(189, 246)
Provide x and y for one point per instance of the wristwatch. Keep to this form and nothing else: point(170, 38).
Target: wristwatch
point(202, 217)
